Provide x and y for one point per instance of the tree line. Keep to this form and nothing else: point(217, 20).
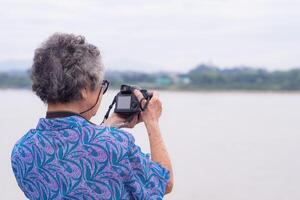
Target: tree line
point(202, 77)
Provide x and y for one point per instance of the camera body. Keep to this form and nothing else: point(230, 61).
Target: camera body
point(127, 103)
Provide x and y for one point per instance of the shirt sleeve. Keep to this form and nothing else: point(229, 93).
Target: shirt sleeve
point(147, 179)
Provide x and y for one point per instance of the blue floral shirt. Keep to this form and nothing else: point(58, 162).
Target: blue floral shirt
point(71, 158)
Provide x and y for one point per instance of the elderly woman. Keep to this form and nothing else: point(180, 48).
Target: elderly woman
point(68, 157)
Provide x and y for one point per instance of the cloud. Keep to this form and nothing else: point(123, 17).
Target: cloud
point(171, 34)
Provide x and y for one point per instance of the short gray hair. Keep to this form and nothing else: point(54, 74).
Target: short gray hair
point(62, 66)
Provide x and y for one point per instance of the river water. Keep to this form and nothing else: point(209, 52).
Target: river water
point(224, 146)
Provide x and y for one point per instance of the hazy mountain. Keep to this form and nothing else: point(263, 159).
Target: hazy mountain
point(14, 65)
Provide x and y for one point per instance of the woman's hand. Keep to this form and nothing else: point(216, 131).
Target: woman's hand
point(116, 120)
point(150, 115)
point(153, 110)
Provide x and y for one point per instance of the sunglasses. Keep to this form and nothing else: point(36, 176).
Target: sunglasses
point(105, 84)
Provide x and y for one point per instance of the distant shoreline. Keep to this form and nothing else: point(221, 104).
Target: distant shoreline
point(203, 78)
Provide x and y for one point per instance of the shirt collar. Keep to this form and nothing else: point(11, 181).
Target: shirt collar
point(62, 123)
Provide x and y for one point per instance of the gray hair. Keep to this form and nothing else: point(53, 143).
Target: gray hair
point(62, 66)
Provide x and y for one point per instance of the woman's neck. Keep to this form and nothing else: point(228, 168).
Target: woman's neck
point(75, 107)
point(71, 107)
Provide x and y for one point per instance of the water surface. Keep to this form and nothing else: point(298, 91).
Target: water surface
point(224, 146)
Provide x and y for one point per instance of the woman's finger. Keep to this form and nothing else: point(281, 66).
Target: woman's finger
point(138, 94)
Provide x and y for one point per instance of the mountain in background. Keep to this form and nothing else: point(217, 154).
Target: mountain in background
point(202, 77)
point(14, 65)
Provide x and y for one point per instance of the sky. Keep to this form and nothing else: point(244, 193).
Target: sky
point(156, 35)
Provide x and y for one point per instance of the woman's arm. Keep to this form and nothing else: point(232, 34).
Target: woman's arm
point(159, 151)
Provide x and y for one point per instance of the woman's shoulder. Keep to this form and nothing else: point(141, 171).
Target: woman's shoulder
point(23, 141)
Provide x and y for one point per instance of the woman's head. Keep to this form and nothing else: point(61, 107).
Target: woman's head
point(66, 69)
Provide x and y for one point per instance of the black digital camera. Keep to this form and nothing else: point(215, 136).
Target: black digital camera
point(127, 103)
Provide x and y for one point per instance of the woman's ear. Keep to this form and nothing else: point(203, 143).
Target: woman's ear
point(84, 93)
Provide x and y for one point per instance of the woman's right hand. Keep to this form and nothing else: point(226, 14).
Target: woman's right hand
point(154, 109)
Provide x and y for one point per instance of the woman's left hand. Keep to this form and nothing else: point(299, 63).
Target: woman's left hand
point(116, 121)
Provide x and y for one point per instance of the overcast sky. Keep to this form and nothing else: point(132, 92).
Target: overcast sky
point(160, 34)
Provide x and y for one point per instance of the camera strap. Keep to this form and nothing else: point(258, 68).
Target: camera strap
point(143, 107)
point(109, 109)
